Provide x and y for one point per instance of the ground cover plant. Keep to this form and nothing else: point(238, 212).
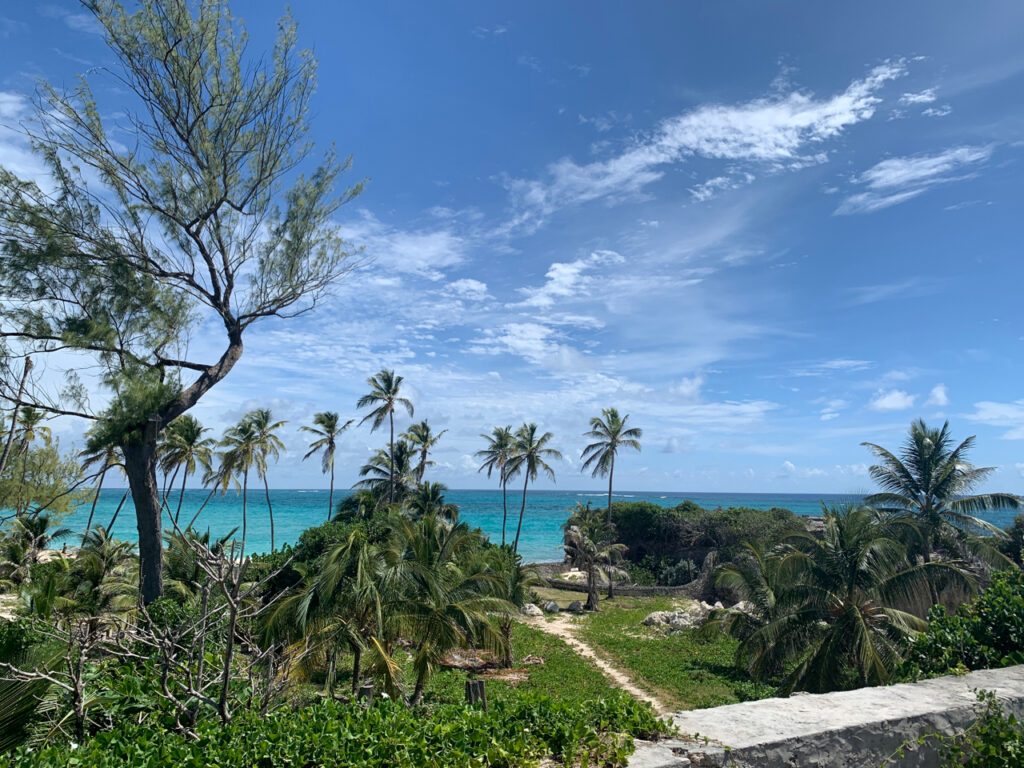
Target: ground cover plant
point(684, 669)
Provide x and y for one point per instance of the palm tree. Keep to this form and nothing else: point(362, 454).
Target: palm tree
point(444, 605)
point(240, 454)
point(106, 457)
point(515, 583)
point(267, 444)
point(327, 428)
point(422, 439)
point(384, 389)
point(428, 499)
point(500, 444)
point(388, 473)
point(588, 542)
point(183, 447)
point(610, 433)
point(835, 610)
point(528, 457)
point(932, 481)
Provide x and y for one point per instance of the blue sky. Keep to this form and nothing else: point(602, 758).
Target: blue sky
point(767, 232)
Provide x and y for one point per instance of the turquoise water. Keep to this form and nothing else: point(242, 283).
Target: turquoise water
point(296, 510)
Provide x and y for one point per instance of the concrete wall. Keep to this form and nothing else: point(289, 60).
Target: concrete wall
point(851, 729)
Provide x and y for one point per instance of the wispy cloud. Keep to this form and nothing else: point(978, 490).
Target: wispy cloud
point(783, 130)
point(80, 22)
point(939, 396)
point(1009, 416)
point(567, 280)
point(827, 367)
point(909, 288)
point(424, 252)
point(942, 111)
point(927, 96)
point(899, 179)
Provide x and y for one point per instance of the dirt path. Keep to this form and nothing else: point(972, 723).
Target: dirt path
point(561, 627)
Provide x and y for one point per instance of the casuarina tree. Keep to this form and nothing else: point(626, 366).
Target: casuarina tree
point(214, 213)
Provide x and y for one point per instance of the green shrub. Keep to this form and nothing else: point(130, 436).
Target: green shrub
point(987, 632)
point(512, 733)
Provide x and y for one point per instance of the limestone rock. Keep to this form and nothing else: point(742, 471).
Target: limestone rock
point(551, 607)
point(531, 610)
point(575, 607)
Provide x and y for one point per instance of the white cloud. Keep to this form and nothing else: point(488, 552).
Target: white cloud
point(777, 130)
point(1007, 415)
point(893, 400)
point(688, 388)
point(424, 252)
point(832, 409)
point(899, 179)
point(469, 289)
point(909, 288)
point(80, 22)
point(927, 96)
point(567, 280)
point(939, 396)
point(942, 111)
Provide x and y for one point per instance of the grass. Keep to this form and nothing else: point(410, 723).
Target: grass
point(682, 669)
point(563, 675)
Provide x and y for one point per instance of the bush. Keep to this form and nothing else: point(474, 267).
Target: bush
point(513, 732)
point(985, 633)
point(666, 535)
point(1013, 545)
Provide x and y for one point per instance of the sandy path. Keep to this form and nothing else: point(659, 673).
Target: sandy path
point(561, 627)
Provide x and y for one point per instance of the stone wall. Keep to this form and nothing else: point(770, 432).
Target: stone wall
point(851, 729)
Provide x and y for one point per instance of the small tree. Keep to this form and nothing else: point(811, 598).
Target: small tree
point(205, 217)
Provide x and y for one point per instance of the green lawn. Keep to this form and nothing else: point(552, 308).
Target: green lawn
point(683, 670)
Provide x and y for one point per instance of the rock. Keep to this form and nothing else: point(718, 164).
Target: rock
point(744, 606)
point(551, 607)
point(531, 610)
point(575, 607)
point(658, 618)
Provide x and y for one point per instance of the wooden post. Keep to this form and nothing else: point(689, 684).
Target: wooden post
point(476, 694)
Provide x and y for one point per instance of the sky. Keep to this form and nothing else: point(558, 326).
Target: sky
point(767, 232)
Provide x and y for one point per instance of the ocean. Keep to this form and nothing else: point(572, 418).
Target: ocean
point(296, 510)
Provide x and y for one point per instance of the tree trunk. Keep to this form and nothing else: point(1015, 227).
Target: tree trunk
point(14, 417)
point(92, 510)
point(357, 657)
point(522, 509)
point(332, 661)
point(330, 498)
point(117, 511)
point(508, 659)
point(391, 460)
point(181, 497)
point(608, 518)
point(245, 510)
point(417, 691)
point(593, 602)
point(270, 509)
point(504, 507)
point(201, 508)
point(140, 466)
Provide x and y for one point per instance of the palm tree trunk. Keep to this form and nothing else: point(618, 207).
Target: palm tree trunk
point(592, 598)
point(522, 509)
point(202, 507)
point(391, 460)
point(270, 509)
point(14, 417)
point(332, 663)
point(181, 499)
point(423, 465)
point(508, 659)
point(330, 498)
point(504, 507)
point(118, 511)
point(608, 518)
point(95, 500)
point(245, 511)
point(357, 657)
point(417, 692)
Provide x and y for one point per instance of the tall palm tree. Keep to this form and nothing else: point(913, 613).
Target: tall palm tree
point(500, 444)
point(932, 481)
point(422, 440)
point(839, 606)
point(428, 499)
point(610, 433)
point(327, 428)
point(267, 444)
point(183, 448)
point(240, 445)
point(105, 456)
point(529, 456)
point(30, 427)
point(388, 473)
point(384, 394)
